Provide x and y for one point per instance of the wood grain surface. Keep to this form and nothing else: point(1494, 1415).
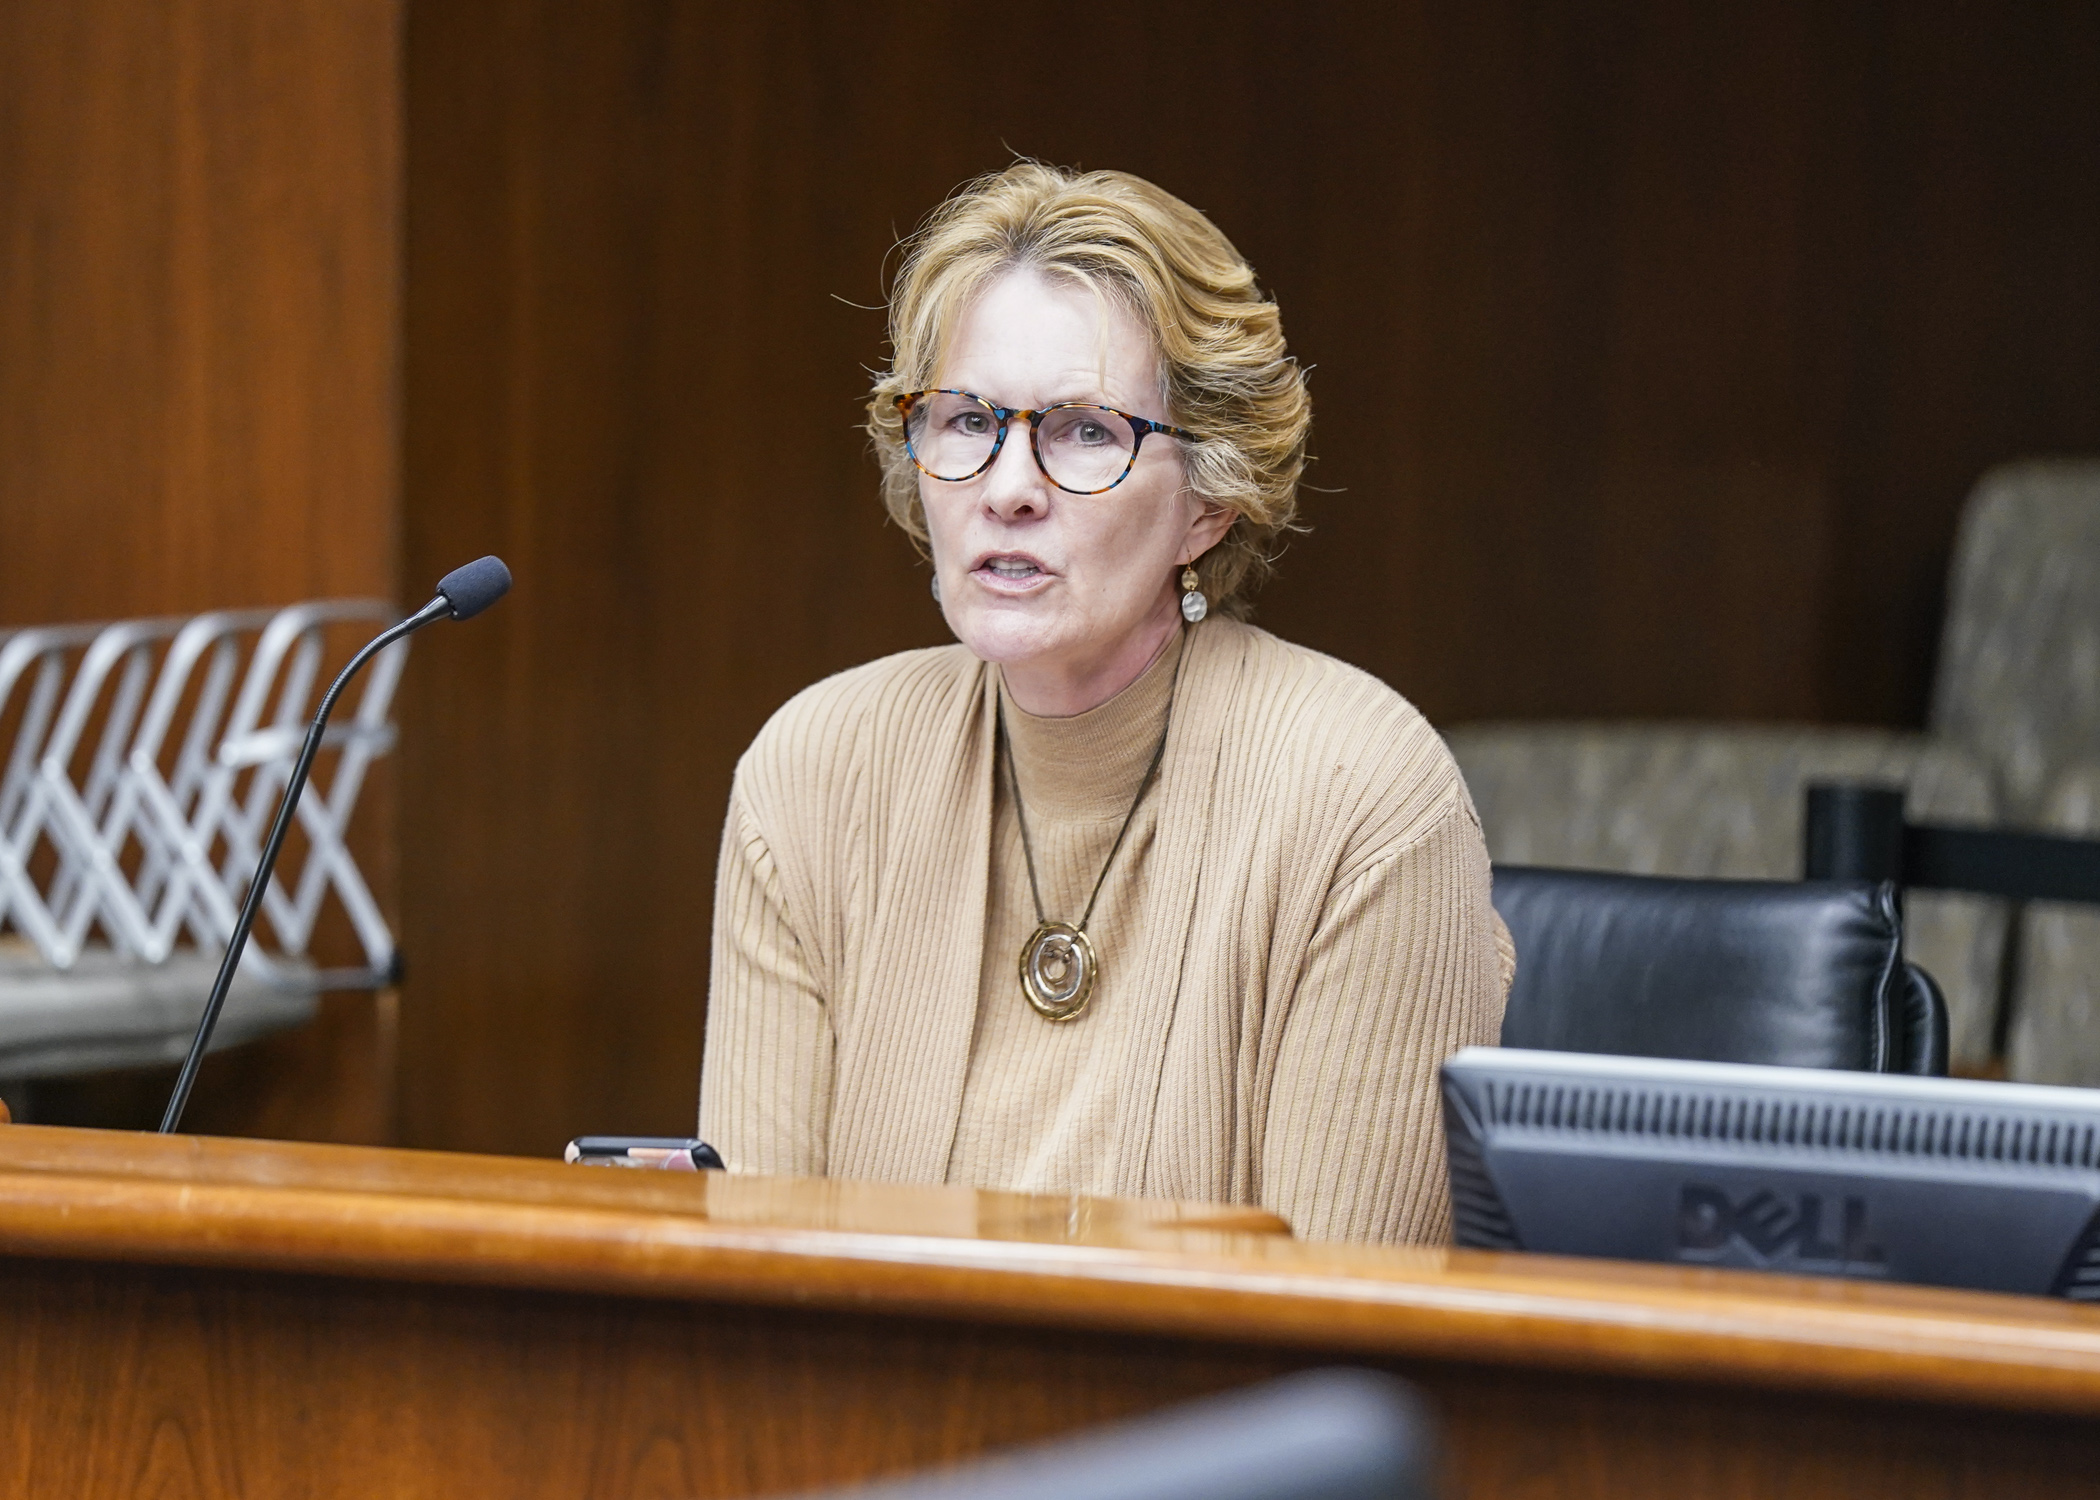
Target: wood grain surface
point(199, 305)
point(218, 1318)
point(200, 227)
point(128, 1381)
point(1162, 1268)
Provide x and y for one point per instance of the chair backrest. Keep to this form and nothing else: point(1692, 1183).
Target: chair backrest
point(1793, 973)
point(2019, 671)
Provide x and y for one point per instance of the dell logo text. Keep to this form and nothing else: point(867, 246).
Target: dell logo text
point(1794, 1229)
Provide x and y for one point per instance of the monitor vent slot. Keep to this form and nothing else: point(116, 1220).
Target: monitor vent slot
point(2080, 1278)
point(1970, 1134)
point(1478, 1219)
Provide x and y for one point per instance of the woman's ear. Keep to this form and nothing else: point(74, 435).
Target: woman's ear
point(1208, 528)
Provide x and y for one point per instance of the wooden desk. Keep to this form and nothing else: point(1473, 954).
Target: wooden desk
point(190, 1317)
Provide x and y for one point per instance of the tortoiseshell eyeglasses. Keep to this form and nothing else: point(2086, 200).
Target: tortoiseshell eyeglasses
point(1081, 448)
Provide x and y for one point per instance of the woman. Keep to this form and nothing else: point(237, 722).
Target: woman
point(1119, 895)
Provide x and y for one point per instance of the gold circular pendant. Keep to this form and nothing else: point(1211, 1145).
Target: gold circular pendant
point(1057, 971)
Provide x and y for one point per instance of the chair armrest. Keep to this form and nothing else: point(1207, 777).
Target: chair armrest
point(1922, 1024)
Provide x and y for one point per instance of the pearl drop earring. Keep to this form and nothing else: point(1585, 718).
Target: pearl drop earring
point(1193, 605)
point(936, 588)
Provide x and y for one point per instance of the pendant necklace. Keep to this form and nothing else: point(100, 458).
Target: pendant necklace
point(1058, 967)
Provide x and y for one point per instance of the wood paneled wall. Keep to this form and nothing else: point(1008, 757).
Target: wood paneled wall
point(199, 330)
point(1655, 345)
point(199, 350)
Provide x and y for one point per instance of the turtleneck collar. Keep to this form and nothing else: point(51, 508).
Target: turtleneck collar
point(1088, 766)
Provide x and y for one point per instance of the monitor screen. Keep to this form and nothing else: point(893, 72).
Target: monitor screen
point(1949, 1182)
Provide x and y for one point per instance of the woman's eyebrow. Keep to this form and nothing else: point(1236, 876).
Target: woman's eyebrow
point(1087, 395)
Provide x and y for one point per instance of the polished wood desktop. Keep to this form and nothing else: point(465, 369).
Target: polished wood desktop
point(204, 1317)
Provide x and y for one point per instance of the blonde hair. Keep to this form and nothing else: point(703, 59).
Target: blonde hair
point(1219, 341)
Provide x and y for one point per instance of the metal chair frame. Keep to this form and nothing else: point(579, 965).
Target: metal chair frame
point(196, 829)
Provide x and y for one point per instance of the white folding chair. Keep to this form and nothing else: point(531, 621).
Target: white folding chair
point(133, 804)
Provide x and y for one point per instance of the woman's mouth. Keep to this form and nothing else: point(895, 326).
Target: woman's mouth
point(1008, 571)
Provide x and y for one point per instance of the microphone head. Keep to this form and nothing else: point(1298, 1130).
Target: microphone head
point(473, 588)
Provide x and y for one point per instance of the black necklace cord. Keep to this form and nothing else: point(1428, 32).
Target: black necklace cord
point(1013, 775)
point(462, 593)
point(1013, 780)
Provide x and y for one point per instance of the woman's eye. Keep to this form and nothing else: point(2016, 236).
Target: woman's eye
point(1092, 434)
point(972, 423)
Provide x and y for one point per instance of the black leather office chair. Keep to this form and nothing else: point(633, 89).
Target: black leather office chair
point(1805, 974)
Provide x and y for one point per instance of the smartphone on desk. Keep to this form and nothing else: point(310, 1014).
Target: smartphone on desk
point(640, 1151)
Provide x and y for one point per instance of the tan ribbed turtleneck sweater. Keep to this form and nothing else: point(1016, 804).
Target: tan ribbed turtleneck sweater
point(1293, 936)
point(1041, 1097)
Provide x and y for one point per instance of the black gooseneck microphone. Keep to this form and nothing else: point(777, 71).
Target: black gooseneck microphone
point(461, 594)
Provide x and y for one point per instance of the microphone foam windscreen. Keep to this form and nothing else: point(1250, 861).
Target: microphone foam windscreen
point(473, 588)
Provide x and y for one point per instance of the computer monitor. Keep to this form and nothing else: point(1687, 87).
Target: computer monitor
point(1949, 1182)
point(1334, 1434)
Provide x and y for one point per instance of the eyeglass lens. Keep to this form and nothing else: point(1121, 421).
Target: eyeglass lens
point(1083, 448)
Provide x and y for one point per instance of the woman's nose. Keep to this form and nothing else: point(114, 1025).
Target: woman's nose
point(1014, 486)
